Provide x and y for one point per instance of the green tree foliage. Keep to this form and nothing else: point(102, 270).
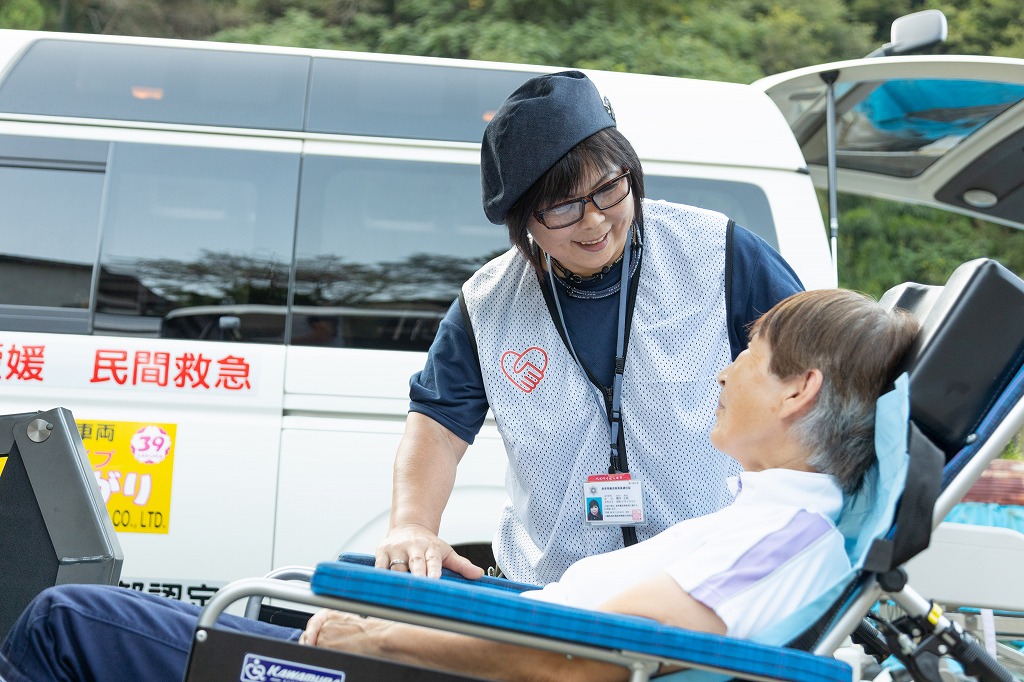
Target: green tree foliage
point(987, 27)
point(879, 14)
point(736, 40)
point(993, 27)
point(883, 243)
point(23, 14)
point(788, 35)
point(159, 18)
point(296, 28)
point(726, 39)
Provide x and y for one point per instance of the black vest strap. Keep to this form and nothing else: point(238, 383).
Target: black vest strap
point(914, 516)
point(730, 228)
point(467, 322)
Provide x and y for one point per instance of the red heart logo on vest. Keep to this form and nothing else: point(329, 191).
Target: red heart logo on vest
point(526, 369)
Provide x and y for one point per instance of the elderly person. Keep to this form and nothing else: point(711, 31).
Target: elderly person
point(795, 411)
point(595, 341)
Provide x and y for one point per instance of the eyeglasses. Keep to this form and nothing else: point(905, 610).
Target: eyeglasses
point(571, 212)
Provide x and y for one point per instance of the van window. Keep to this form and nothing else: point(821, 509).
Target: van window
point(743, 202)
point(356, 97)
point(50, 192)
point(383, 247)
point(188, 227)
point(158, 84)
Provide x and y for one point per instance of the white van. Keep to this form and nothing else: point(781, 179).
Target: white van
point(227, 260)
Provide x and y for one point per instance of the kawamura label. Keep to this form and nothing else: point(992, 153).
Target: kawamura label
point(262, 669)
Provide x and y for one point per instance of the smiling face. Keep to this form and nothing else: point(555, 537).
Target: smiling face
point(594, 242)
point(751, 426)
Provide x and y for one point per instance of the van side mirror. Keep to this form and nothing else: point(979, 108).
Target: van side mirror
point(914, 32)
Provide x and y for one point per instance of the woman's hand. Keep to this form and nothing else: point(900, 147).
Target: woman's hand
point(419, 551)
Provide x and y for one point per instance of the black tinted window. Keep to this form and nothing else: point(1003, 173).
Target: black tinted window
point(406, 100)
point(50, 193)
point(193, 239)
point(160, 84)
point(741, 201)
point(382, 249)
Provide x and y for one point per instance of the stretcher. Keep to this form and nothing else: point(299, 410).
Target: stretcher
point(952, 411)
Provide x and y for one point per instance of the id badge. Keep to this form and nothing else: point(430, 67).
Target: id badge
point(613, 500)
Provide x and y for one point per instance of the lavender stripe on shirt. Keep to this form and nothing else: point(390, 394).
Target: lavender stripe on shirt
point(768, 554)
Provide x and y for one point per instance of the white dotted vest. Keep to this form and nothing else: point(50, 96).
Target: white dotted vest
point(555, 429)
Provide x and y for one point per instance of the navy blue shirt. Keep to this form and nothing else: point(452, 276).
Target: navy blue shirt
point(450, 388)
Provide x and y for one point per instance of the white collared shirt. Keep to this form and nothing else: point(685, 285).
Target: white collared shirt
point(772, 551)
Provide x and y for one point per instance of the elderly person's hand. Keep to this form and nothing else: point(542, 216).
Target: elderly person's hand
point(419, 551)
point(343, 631)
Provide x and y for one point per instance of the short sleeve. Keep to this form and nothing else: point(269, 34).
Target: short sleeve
point(755, 573)
point(450, 387)
point(760, 278)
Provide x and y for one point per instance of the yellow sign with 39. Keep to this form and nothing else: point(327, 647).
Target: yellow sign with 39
point(133, 463)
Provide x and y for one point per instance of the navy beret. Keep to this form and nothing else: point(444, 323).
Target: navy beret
point(535, 127)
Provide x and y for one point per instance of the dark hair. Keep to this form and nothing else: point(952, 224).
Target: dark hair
point(857, 345)
point(605, 150)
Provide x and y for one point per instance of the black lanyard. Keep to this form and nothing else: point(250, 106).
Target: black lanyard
point(618, 456)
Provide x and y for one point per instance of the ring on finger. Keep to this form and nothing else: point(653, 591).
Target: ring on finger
point(397, 562)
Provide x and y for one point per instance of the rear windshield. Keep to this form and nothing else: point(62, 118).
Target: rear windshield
point(901, 127)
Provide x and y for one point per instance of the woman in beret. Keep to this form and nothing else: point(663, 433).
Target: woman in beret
point(595, 341)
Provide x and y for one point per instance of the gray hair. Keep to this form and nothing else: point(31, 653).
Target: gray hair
point(857, 345)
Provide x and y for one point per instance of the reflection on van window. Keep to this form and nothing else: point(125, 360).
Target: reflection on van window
point(425, 102)
point(160, 84)
point(48, 230)
point(383, 248)
point(741, 201)
point(187, 227)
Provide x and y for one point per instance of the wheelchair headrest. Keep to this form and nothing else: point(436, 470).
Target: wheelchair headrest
point(970, 345)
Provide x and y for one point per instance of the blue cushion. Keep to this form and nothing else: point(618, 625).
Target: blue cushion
point(479, 605)
point(868, 514)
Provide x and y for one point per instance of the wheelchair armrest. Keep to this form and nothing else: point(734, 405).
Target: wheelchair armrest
point(254, 604)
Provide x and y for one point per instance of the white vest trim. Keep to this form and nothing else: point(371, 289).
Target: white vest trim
point(555, 429)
